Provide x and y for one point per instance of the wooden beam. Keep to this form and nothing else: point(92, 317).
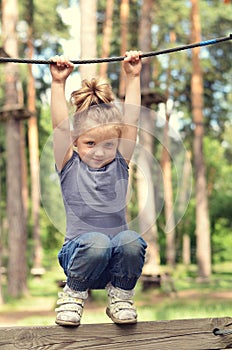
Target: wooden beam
point(14, 112)
point(191, 334)
point(150, 97)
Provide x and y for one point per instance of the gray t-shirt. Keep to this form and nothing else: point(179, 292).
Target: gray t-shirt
point(94, 199)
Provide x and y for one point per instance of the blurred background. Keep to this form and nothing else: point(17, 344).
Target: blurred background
point(181, 174)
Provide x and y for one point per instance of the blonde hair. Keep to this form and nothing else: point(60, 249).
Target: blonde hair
point(94, 107)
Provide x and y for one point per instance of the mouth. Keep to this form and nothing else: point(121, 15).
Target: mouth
point(98, 163)
point(98, 160)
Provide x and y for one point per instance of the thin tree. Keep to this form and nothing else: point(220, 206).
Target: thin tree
point(1, 250)
point(107, 34)
point(167, 176)
point(33, 141)
point(145, 186)
point(186, 241)
point(202, 212)
point(15, 211)
point(88, 10)
point(168, 197)
point(124, 21)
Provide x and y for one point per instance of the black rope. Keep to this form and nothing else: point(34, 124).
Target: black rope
point(120, 58)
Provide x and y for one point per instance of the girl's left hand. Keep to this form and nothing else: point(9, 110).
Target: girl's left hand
point(132, 63)
point(61, 68)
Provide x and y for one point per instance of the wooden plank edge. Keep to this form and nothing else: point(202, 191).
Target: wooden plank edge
point(194, 334)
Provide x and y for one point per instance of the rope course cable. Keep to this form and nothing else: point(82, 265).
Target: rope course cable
point(120, 58)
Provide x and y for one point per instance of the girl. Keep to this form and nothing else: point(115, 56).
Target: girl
point(92, 162)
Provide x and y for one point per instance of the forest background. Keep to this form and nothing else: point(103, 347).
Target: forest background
point(181, 174)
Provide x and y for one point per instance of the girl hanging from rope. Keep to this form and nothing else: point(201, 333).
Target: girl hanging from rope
point(92, 161)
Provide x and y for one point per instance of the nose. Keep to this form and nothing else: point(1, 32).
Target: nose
point(98, 151)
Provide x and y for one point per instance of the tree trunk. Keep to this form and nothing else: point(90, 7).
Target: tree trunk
point(15, 213)
point(1, 240)
point(186, 250)
point(168, 199)
point(1, 294)
point(145, 184)
point(124, 19)
point(184, 195)
point(146, 197)
point(15, 210)
point(145, 41)
point(107, 32)
point(25, 195)
point(170, 224)
point(88, 37)
point(33, 141)
point(202, 212)
point(1, 251)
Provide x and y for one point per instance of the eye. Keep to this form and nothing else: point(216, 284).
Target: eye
point(109, 144)
point(90, 143)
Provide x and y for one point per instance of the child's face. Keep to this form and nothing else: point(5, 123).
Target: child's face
point(97, 147)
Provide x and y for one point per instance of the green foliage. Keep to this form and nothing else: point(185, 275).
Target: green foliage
point(43, 15)
point(219, 171)
point(227, 143)
point(222, 240)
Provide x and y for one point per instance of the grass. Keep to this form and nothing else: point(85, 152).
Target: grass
point(191, 300)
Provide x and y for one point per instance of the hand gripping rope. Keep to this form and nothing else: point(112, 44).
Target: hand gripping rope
point(121, 58)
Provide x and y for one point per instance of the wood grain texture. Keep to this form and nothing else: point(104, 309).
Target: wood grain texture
point(194, 334)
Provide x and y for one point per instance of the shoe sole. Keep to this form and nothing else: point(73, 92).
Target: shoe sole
point(118, 321)
point(67, 323)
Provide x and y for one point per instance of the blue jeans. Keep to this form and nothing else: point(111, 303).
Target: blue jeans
point(92, 260)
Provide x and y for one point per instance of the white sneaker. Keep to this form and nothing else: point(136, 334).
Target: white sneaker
point(70, 308)
point(120, 307)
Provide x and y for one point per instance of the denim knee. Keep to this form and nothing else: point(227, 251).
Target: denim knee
point(94, 240)
point(90, 248)
point(88, 261)
point(127, 259)
point(94, 248)
point(127, 239)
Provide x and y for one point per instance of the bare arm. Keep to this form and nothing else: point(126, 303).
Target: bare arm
point(62, 138)
point(132, 66)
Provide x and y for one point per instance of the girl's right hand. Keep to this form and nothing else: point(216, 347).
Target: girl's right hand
point(61, 68)
point(132, 63)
